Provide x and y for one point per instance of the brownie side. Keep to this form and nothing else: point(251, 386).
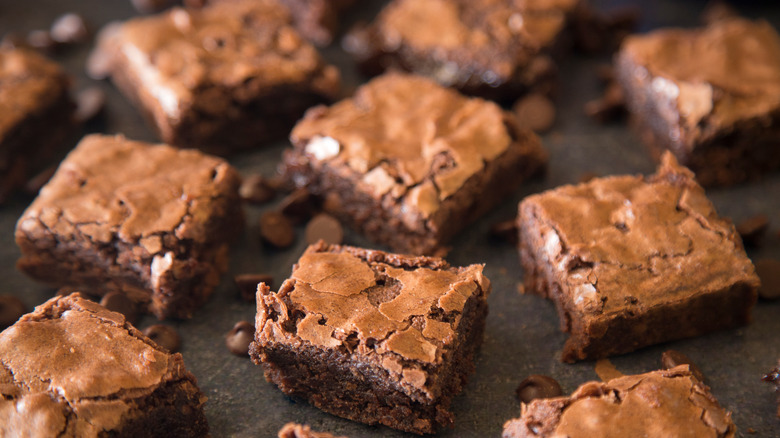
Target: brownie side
point(629, 272)
point(654, 405)
point(227, 77)
point(411, 177)
point(390, 361)
point(37, 116)
point(717, 111)
point(100, 377)
point(151, 221)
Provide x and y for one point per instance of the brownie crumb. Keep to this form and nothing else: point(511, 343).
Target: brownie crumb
point(673, 358)
point(165, 336)
point(11, 309)
point(239, 338)
point(768, 271)
point(276, 229)
point(119, 302)
point(538, 386)
point(247, 285)
point(753, 229)
point(324, 227)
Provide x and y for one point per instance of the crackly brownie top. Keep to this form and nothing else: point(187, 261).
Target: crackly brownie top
point(407, 137)
point(109, 187)
point(240, 44)
point(29, 83)
point(72, 355)
point(657, 404)
point(630, 242)
point(371, 302)
point(498, 35)
point(726, 71)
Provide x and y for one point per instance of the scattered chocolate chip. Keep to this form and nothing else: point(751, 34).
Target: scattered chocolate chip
point(41, 40)
point(673, 358)
point(535, 112)
point(247, 285)
point(165, 336)
point(89, 103)
point(587, 176)
point(298, 205)
point(70, 29)
point(610, 106)
point(239, 338)
point(149, 6)
point(34, 184)
point(11, 309)
point(256, 190)
point(325, 227)
point(768, 271)
point(276, 229)
point(538, 386)
point(505, 231)
point(119, 302)
point(717, 10)
point(753, 229)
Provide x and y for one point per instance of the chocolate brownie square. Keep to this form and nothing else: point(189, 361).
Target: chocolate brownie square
point(151, 221)
point(493, 49)
point(410, 163)
point(774, 378)
point(72, 368)
point(632, 261)
point(710, 95)
point(658, 404)
point(37, 115)
point(374, 337)
point(230, 76)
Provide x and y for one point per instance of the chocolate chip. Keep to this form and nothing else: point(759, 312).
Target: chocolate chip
point(256, 190)
point(165, 336)
point(610, 106)
point(149, 6)
point(247, 285)
point(70, 29)
point(753, 229)
point(505, 231)
point(768, 271)
point(298, 205)
point(89, 103)
point(41, 40)
point(239, 338)
point(119, 302)
point(535, 112)
point(673, 358)
point(11, 309)
point(324, 227)
point(276, 229)
point(34, 184)
point(538, 386)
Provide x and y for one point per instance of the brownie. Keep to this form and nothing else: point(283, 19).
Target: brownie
point(151, 221)
point(374, 337)
point(230, 76)
point(99, 377)
point(409, 163)
point(37, 115)
point(493, 49)
point(631, 261)
point(317, 20)
point(710, 95)
point(774, 378)
point(293, 430)
point(658, 404)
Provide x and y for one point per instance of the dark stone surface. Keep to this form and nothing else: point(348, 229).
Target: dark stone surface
point(522, 335)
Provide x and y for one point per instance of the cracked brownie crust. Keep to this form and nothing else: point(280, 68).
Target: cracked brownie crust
point(658, 404)
point(632, 261)
point(409, 163)
point(151, 221)
point(99, 377)
point(375, 337)
point(226, 77)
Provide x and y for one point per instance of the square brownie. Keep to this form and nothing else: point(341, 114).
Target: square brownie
point(488, 48)
point(710, 95)
point(98, 376)
point(37, 115)
point(409, 163)
point(374, 337)
point(151, 221)
point(230, 76)
point(658, 404)
point(631, 261)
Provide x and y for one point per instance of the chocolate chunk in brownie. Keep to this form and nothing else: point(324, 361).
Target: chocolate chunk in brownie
point(230, 76)
point(37, 116)
point(410, 163)
point(375, 337)
point(150, 221)
point(658, 404)
point(99, 376)
point(494, 49)
point(710, 95)
point(631, 261)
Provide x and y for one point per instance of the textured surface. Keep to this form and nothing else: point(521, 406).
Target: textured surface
point(522, 335)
